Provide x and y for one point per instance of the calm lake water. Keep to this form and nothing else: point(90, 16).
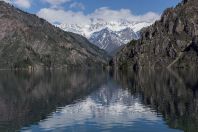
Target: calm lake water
point(145, 101)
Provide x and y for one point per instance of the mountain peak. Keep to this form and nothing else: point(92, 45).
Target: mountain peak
point(5, 6)
point(108, 35)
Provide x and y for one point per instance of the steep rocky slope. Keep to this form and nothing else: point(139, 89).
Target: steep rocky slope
point(28, 41)
point(169, 42)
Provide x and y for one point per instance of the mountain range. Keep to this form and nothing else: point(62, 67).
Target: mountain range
point(108, 35)
point(27, 41)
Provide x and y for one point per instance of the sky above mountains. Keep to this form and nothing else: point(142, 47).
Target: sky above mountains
point(83, 11)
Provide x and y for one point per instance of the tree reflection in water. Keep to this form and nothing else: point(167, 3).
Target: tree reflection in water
point(101, 98)
point(26, 98)
point(174, 94)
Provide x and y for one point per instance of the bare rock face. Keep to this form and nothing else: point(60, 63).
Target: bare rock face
point(27, 41)
point(170, 42)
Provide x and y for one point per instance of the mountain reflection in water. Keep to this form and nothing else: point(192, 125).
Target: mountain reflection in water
point(164, 101)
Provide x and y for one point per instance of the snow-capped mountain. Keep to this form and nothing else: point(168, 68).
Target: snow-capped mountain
point(108, 35)
point(111, 40)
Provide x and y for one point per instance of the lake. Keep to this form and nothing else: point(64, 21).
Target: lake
point(96, 100)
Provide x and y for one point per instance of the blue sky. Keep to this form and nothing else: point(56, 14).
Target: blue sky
point(61, 11)
point(136, 6)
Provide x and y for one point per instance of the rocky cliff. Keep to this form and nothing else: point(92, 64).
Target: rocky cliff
point(27, 41)
point(169, 42)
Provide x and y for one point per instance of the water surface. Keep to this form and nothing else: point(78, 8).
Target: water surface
point(145, 101)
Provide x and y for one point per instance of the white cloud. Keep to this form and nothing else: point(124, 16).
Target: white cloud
point(77, 5)
point(126, 14)
point(19, 3)
point(61, 16)
point(22, 3)
point(56, 2)
point(104, 13)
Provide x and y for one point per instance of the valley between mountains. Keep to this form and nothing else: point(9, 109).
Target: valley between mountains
point(27, 41)
point(108, 36)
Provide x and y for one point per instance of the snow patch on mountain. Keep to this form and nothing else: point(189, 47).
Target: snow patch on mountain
point(95, 26)
point(108, 35)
